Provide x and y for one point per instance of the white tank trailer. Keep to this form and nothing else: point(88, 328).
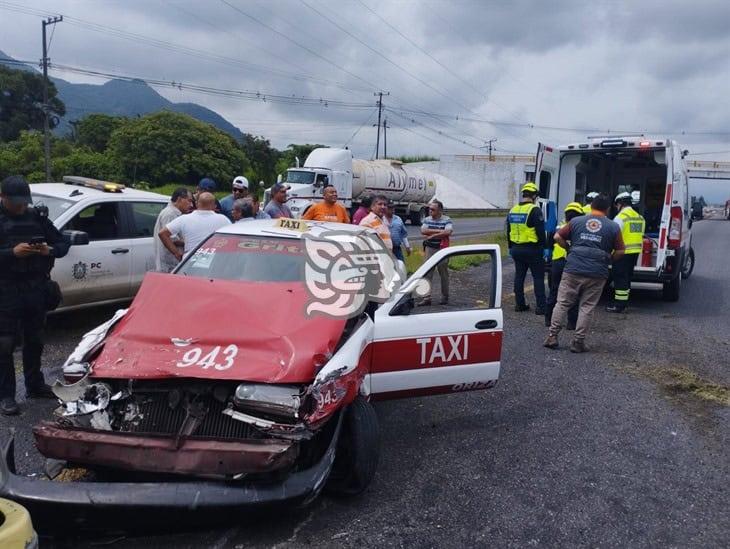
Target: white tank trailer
point(410, 188)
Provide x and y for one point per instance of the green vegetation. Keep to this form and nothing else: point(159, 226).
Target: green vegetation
point(461, 263)
point(420, 158)
point(681, 380)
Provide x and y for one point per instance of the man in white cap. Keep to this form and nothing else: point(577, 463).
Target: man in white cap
point(240, 190)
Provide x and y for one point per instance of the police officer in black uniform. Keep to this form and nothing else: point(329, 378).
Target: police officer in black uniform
point(29, 243)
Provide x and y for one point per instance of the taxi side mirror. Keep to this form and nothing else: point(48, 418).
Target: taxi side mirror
point(76, 238)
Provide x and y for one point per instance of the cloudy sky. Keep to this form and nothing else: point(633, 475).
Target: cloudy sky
point(459, 72)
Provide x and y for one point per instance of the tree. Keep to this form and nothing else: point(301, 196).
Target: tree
point(21, 103)
point(168, 147)
point(262, 157)
point(95, 130)
point(24, 156)
point(288, 157)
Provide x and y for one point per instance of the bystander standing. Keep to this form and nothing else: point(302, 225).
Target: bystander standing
point(181, 202)
point(437, 229)
point(398, 232)
point(277, 207)
point(362, 210)
point(329, 209)
point(239, 189)
point(374, 220)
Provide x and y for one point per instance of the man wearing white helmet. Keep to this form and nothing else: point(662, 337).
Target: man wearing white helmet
point(587, 207)
point(632, 230)
point(240, 190)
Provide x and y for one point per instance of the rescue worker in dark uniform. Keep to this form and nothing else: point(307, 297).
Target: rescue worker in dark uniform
point(527, 247)
point(560, 254)
point(29, 243)
point(632, 230)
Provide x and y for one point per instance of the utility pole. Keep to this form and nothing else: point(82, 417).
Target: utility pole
point(46, 106)
point(385, 138)
point(379, 95)
point(488, 146)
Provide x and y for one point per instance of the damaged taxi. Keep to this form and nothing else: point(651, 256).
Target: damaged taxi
point(246, 376)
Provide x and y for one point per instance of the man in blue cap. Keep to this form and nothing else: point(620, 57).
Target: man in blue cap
point(206, 185)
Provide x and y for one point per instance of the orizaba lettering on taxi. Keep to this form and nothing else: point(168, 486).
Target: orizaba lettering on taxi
point(440, 350)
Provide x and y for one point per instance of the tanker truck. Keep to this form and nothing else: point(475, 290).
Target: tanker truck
point(409, 188)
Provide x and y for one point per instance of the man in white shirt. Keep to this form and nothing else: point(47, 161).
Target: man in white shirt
point(180, 203)
point(194, 227)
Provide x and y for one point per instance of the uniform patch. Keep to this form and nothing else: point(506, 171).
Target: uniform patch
point(594, 225)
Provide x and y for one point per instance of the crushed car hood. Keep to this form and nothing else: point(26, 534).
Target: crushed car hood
point(193, 327)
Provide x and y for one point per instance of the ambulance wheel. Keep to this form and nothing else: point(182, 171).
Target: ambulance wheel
point(689, 265)
point(670, 291)
point(358, 450)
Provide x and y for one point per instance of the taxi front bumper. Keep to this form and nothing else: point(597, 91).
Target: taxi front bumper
point(96, 505)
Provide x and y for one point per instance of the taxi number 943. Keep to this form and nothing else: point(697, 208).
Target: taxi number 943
point(216, 358)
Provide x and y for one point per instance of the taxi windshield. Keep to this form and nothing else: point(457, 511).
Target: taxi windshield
point(247, 258)
point(56, 206)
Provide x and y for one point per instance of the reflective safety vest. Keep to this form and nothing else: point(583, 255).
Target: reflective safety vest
point(587, 209)
point(558, 251)
point(519, 232)
point(632, 230)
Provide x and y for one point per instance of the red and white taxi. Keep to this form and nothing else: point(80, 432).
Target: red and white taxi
point(247, 375)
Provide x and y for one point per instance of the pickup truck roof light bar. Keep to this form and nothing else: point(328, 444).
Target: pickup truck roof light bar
point(105, 186)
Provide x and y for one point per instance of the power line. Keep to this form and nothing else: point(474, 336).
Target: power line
point(304, 47)
point(360, 128)
point(177, 48)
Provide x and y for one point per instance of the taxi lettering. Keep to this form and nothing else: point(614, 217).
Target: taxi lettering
point(291, 224)
point(443, 348)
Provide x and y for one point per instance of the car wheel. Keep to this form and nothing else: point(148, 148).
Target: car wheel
point(670, 291)
point(689, 265)
point(358, 450)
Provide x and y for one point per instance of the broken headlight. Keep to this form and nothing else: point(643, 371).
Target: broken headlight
point(277, 401)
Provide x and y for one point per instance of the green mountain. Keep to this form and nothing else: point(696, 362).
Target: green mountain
point(122, 98)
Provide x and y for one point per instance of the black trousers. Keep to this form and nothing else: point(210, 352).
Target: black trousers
point(623, 272)
point(22, 314)
point(529, 257)
point(556, 274)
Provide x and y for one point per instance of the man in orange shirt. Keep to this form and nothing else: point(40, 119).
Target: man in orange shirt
point(329, 210)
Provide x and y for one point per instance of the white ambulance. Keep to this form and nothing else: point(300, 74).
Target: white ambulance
point(653, 171)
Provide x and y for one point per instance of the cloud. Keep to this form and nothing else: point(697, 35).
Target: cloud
point(632, 65)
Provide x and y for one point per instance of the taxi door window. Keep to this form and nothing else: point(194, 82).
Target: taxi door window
point(458, 283)
point(144, 216)
point(101, 221)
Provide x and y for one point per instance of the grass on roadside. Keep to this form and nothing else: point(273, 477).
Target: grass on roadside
point(681, 380)
point(458, 263)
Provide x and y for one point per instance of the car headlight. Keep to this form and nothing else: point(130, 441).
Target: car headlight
point(279, 401)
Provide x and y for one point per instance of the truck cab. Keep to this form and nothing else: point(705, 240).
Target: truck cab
point(653, 171)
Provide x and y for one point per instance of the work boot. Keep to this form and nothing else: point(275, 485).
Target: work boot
point(615, 308)
point(42, 391)
point(551, 342)
point(519, 308)
point(540, 311)
point(578, 346)
point(8, 407)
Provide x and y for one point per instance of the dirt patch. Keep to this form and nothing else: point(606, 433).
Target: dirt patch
point(684, 381)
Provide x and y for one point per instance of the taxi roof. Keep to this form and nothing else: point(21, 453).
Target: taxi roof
point(76, 193)
point(269, 227)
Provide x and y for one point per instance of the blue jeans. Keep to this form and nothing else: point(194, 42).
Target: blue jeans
point(529, 257)
point(398, 252)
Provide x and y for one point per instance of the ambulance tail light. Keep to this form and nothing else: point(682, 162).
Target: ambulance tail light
point(675, 227)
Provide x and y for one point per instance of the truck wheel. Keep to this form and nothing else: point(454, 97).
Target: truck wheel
point(418, 217)
point(689, 265)
point(358, 450)
point(670, 291)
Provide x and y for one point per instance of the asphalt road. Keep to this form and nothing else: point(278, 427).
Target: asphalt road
point(465, 226)
point(568, 450)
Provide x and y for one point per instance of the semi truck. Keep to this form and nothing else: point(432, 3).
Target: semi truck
point(411, 189)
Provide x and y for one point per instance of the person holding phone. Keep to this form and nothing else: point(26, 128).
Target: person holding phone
point(29, 244)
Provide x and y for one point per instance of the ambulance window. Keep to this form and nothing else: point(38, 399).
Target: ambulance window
point(544, 184)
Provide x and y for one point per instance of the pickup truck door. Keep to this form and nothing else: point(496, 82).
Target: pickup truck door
point(547, 171)
point(426, 350)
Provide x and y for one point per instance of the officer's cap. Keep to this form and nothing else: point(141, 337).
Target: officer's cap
point(16, 189)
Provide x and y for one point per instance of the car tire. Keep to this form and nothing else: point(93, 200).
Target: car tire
point(418, 217)
point(671, 289)
point(689, 265)
point(358, 450)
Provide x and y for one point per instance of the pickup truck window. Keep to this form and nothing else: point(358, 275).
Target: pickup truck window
point(144, 216)
point(100, 221)
point(56, 206)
